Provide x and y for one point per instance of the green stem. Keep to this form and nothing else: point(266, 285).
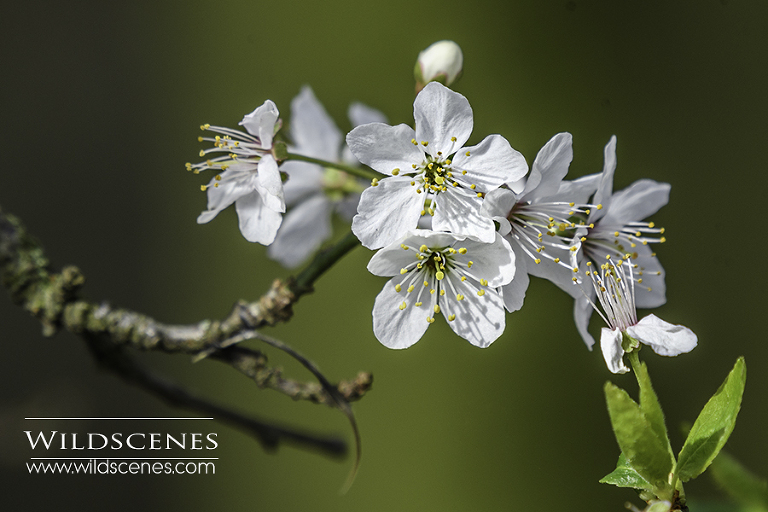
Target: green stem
point(362, 172)
point(322, 262)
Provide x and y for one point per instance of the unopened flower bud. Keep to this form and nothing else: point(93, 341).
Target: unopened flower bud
point(440, 62)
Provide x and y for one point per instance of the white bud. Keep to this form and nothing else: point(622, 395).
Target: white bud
point(440, 62)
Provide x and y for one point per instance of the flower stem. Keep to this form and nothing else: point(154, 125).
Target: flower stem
point(322, 262)
point(362, 172)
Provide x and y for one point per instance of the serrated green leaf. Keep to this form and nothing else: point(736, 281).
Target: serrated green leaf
point(713, 426)
point(742, 485)
point(643, 449)
point(625, 476)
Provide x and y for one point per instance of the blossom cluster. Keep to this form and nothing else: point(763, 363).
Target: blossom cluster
point(459, 228)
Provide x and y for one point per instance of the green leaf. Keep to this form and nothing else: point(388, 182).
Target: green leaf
point(649, 404)
point(742, 485)
point(638, 441)
point(713, 426)
point(625, 476)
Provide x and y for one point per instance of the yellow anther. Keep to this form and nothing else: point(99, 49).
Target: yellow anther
point(479, 194)
point(430, 320)
point(651, 224)
point(413, 165)
point(538, 249)
point(374, 182)
point(203, 188)
point(462, 250)
point(398, 288)
point(395, 172)
point(418, 191)
point(616, 233)
point(403, 271)
point(418, 304)
point(442, 292)
point(470, 263)
point(205, 126)
point(589, 263)
point(640, 281)
point(403, 306)
point(481, 292)
point(645, 242)
point(200, 139)
point(424, 143)
point(459, 296)
point(662, 231)
point(583, 239)
point(452, 250)
point(463, 172)
point(591, 226)
point(537, 261)
point(432, 291)
point(633, 244)
point(587, 211)
point(437, 308)
point(663, 239)
point(571, 204)
point(448, 162)
point(484, 282)
point(575, 269)
point(463, 278)
point(218, 177)
point(607, 256)
point(431, 165)
point(423, 212)
point(413, 141)
point(431, 211)
point(557, 260)
point(574, 249)
point(575, 279)
point(426, 283)
point(439, 275)
point(599, 207)
point(451, 318)
point(649, 289)
point(405, 247)
point(637, 233)
point(423, 248)
point(410, 289)
point(467, 153)
point(453, 139)
point(202, 153)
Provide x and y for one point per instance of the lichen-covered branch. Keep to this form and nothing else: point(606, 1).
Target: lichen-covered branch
point(53, 298)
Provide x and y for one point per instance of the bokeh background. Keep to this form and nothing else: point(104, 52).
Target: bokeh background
point(101, 103)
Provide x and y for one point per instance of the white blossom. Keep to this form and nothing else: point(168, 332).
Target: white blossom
point(314, 193)
point(439, 273)
point(429, 172)
point(617, 228)
point(535, 216)
point(247, 175)
point(614, 287)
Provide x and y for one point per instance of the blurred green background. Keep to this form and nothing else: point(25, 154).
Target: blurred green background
point(101, 103)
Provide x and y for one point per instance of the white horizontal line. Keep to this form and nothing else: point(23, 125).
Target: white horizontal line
point(123, 458)
point(118, 418)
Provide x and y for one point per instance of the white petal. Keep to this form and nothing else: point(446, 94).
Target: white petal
point(270, 185)
point(494, 262)
point(610, 343)
point(582, 312)
point(605, 187)
point(396, 328)
point(458, 212)
point(258, 223)
point(489, 164)
point(442, 114)
point(385, 147)
point(664, 338)
point(637, 202)
point(557, 274)
point(360, 113)
point(578, 190)
point(261, 122)
point(498, 203)
point(304, 179)
point(387, 212)
point(232, 186)
point(479, 320)
point(550, 167)
point(312, 129)
point(303, 230)
point(653, 278)
point(514, 292)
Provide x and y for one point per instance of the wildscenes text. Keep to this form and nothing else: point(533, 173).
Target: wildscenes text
point(54, 439)
point(108, 467)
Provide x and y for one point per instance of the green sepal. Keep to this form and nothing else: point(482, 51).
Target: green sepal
point(625, 476)
point(713, 426)
point(280, 151)
point(643, 449)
